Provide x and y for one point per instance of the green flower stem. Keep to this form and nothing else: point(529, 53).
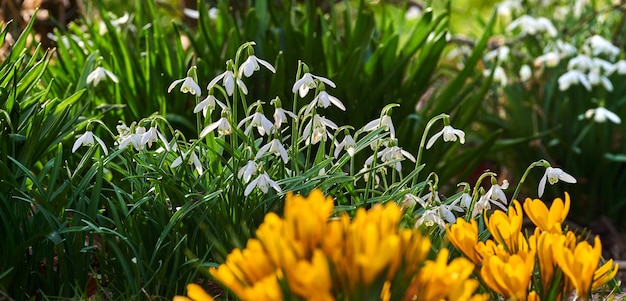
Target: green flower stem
point(294, 126)
point(418, 160)
point(542, 163)
point(194, 75)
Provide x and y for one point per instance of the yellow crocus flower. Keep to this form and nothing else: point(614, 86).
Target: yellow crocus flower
point(306, 218)
point(543, 244)
point(547, 220)
point(436, 279)
point(604, 274)
point(510, 276)
point(489, 248)
point(311, 279)
point(506, 227)
point(194, 293)
point(580, 264)
point(375, 243)
point(266, 289)
point(415, 249)
point(464, 236)
point(532, 296)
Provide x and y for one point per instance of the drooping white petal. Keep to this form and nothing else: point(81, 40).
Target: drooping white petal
point(104, 147)
point(81, 139)
point(111, 75)
point(197, 163)
point(229, 83)
point(191, 13)
point(324, 80)
point(242, 86)
point(266, 65)
point(209, 128)
point(434, 138)
point(251, 186)
point(174, 84)
point(215, 80)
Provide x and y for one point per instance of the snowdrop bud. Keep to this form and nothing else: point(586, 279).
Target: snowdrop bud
point(525, 73)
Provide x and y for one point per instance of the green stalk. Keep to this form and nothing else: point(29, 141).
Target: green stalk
point(422, 145)
point(541, 162)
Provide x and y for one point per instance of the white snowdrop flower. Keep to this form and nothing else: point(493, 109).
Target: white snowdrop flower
point(192, 158)
point(153, 135)
point(413, 12)
point(458, 54)
point(409, 201)
point(581, 62)
point(449, 134)
point(127, 138)
point(274, 147)
point(499, 75)
point(620, 67)
point(208, 104)
point(496, 195)
point(429, 218)
point(258, 120)
point(531, 26)
point(445, 211)
point(507, 7)
point(605, 65)
point(122, 129)
point(525, 73)
point(246, 172)
point(429, 199)
point(573, 77)
point(263, 182)
point(502, 53)
point(99, 74)
point(552, 176)
point(481, 205)
point(307, 82)
point(550, 59)
point(601, 115)
point(87, 139)
point(194, 14)
point(579, 7)
point(251, 64)
point(121, 20)
point(316, 129)
point(280, 117)
point(324, 100)
point(395, 154)
point(229, 80)
point(565, 49)
point(596, 78)
point(213, 13)
point(384, 122)
point(465, 200)
point(191, 13)
point(188, 86)
point(367, 173)
point(348, 144)
point(222, 125)
point(600, 45)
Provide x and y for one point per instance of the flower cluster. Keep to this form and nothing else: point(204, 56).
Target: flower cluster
point(550, 264)
point(591, 58)
point(307, 255)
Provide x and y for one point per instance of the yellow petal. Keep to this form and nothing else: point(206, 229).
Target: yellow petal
point(197, 293)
